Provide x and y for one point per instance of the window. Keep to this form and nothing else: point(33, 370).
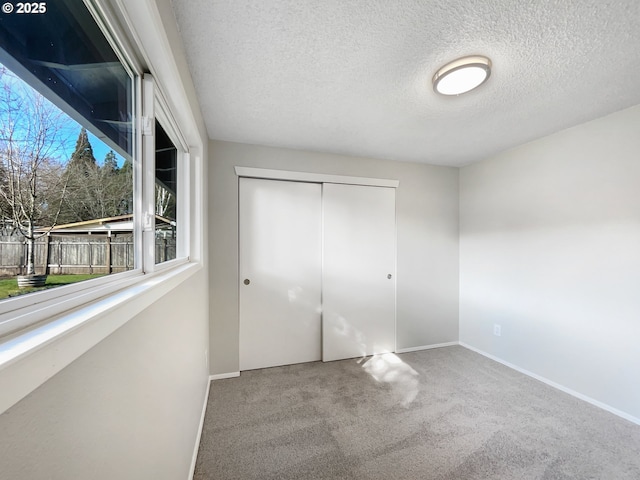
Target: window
point(66, 151)
point(166, 196)
point(165, 154)
point(63, 212)
point(64, 322)
point(71, 149)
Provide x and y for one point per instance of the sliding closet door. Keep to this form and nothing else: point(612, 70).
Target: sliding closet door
point(358, 271)
point(280, 272)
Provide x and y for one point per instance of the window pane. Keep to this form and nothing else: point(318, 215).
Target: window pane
point(166, 195)
point(66, 173)
point(63, 54)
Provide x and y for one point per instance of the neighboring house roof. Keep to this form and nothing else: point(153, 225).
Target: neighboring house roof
point(117, 224)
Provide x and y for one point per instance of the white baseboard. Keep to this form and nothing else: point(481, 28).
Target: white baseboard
point(562, 388)
point(220, 376)
point(426, 347)
point(192, 471)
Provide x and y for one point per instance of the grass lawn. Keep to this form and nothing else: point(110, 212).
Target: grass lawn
point(9, 286)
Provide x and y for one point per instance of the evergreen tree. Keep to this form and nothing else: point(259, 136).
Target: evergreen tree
point(110, 189)
point(81, 202)
point(125, 182)
point(110, 163)
point(96, 191)
point(83, 154)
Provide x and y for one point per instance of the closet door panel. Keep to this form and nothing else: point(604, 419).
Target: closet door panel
point(280, 272)
point(358, 286)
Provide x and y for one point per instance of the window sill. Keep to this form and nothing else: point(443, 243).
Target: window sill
point(30, 357)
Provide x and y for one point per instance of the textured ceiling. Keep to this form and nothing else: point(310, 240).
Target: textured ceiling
point(354, 76)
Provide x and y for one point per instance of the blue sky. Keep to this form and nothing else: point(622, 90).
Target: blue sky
point(100, 149)
point(72, 129)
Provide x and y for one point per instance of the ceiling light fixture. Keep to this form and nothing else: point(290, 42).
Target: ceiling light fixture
point(462, 75)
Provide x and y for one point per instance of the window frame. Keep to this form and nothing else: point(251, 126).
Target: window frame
point(20, 313)
point(69, 325)
point(155, 107)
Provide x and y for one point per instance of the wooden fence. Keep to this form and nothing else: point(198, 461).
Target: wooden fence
point(77, 254)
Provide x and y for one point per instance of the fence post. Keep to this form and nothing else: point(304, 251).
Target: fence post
point(47, 246)
point(164, 249)
point(59, 255)
point(90, 255)
point(108, 254)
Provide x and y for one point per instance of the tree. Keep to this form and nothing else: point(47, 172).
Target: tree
point(32, 136)
point(5, 213)
point(82, 171)
point(112, 188)
point(110, 164)
point(165, 202)
point(125, 187)
point(82, 156)
point(96, 191)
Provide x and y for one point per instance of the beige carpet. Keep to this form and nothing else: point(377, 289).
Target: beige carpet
point(446, 413)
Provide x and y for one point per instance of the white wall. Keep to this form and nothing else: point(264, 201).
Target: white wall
point(427, 229)
point(550, 250)
point(128, 409)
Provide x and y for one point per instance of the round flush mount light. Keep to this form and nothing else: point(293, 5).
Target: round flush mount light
point(462, 75)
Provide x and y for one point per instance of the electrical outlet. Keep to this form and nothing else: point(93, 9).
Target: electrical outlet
point(497, 330)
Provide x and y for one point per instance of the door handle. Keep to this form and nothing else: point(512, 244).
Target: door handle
point(247, 281)
point(389, 276)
